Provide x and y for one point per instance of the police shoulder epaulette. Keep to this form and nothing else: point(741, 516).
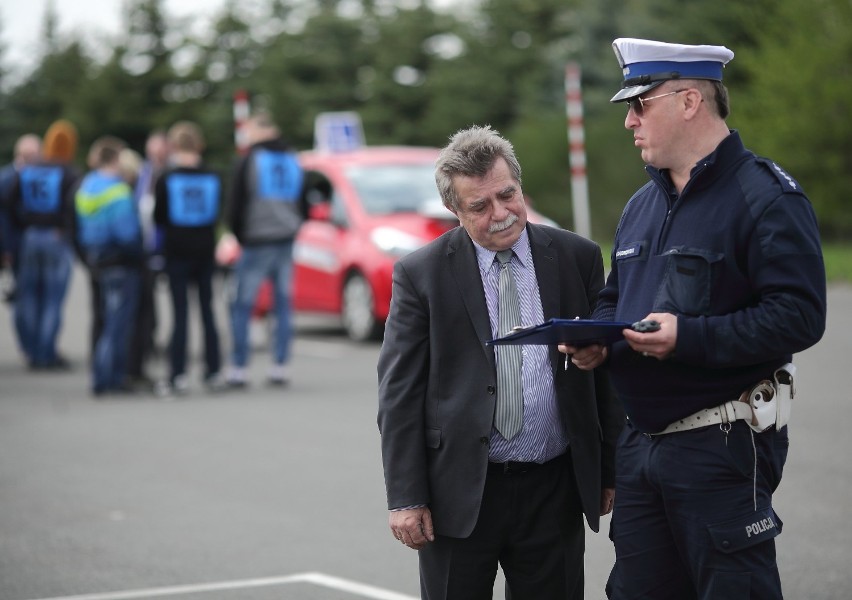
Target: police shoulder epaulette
point(788, 184)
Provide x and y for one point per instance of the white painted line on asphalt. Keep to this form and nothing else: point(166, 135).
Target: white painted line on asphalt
point(353, 587)
point(337, 583)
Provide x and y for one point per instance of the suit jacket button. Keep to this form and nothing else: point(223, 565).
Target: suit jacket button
point(491, 390)
point(483, 440)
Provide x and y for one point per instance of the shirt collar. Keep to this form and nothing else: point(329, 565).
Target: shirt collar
point(521, 248)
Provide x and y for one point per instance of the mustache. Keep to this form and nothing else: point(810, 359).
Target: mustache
point(502, 225)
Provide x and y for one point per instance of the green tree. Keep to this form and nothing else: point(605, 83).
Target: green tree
point(316, 69)
point(49, 92)
point(401, 88)
point(8, 128)
point(797, 107)
point(223, 63)
point(416, 76)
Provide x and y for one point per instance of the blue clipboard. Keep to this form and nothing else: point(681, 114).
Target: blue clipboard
point(576, 332)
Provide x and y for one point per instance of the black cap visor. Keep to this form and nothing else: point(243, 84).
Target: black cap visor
point(632, 91)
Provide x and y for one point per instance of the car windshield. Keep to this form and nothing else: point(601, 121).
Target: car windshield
point(387, 189)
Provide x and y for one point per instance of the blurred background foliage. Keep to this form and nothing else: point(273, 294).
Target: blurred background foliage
point(417, 73)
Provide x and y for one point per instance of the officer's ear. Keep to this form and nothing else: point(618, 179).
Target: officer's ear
point(691, 99)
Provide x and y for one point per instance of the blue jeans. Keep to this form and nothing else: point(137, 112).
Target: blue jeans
point(45, 271)
point(256, 263)
point(119, 293)
point(182, 272)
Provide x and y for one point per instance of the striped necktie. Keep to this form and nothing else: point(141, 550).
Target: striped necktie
point(509, 416)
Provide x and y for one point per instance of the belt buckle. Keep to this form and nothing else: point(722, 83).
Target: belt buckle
point(511, 467)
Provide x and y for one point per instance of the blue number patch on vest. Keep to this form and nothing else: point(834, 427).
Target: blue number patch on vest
point(279, 176)
point(193, 199)
point(41, 189)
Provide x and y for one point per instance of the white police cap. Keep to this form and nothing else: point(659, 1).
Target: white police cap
point(647, 64)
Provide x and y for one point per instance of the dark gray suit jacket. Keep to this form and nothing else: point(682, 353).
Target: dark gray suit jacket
point(438, 381)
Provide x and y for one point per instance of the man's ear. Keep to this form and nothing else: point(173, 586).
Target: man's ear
point(692, 99)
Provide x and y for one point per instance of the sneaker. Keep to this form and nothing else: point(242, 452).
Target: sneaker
point(178, 386)
point(236, 378)
point(277, 375)
point(162, 389)
point(113, 393)
point(59, 363)
point(215, 382)
point(141, 383)
point(124, 389)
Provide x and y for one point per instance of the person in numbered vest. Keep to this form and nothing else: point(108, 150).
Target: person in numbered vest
point(110, 241)
point(266, 210)
point(27, 151)
point(42, 209)
point(187, 204)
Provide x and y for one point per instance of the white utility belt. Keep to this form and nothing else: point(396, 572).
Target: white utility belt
point(766, 404)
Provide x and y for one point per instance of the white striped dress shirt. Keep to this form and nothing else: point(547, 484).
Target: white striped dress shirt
point(543, 436)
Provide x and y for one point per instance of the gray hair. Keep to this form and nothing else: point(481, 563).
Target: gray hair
point(472, 153)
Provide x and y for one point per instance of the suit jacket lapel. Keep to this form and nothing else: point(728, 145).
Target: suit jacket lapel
point(465, 268)
point(546, 262)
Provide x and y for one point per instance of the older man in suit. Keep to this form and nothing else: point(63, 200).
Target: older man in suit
point(464, 488)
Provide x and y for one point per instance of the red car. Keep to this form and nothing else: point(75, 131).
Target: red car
point(369, 207)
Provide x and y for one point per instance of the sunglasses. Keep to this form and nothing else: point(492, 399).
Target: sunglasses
point(637, 104)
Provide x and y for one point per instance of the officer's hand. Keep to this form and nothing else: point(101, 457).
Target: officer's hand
point(607, 500)
point(658, 344)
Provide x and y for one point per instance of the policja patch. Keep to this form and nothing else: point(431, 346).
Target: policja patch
point(748, 530)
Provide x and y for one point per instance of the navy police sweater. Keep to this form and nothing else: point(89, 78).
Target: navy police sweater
point(737, 258)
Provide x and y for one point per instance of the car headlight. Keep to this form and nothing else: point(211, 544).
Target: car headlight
point(395, 242)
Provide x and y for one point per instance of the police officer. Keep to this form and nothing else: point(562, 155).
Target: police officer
point(721, 248)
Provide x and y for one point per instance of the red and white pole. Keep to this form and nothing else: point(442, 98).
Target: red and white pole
point(577, 150)
point(242, 110)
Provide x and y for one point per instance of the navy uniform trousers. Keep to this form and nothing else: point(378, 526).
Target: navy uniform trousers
point(693, 514)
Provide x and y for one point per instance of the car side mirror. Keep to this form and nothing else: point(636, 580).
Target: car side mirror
point(320, 211)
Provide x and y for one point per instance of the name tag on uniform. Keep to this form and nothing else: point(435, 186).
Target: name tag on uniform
point(630, 251)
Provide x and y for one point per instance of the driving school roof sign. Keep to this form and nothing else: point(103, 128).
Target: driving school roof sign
point(338, 132)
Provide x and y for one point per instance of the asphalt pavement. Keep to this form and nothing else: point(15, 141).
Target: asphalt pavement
point(278, 493)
